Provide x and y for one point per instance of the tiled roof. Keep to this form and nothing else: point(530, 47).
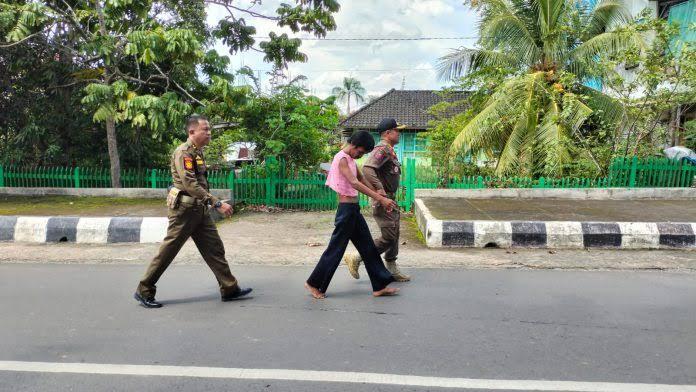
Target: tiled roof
point(409, 107)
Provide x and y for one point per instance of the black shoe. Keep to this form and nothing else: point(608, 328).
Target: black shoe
point(147, 303)
point(236, 295)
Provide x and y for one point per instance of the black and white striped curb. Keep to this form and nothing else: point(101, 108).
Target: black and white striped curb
point(83, 229)
point(550, 234)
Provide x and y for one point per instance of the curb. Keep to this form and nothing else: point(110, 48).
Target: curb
point(86, 230)
point(552, 234)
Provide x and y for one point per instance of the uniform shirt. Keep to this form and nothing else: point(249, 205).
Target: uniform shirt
point(189, 172)
point(382, 168)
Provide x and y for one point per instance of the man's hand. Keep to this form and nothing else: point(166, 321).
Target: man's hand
point(226, 210)
point(388, 204)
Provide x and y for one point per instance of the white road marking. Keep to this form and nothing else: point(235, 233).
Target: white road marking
point(336, 377)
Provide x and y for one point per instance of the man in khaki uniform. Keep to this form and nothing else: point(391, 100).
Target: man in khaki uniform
point(382, 171)
point(188, 202)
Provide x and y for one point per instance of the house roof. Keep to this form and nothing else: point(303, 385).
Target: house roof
point(409, 107)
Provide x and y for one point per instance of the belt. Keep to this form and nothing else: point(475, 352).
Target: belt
point(190, 200)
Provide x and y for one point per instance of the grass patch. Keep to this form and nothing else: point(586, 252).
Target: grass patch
point(412, 225)
point(75, 205)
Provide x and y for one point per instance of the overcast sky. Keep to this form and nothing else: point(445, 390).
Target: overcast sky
point(379, 65)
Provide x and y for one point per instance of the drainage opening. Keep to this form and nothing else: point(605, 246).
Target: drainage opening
point(63, 239)
point(491, 245)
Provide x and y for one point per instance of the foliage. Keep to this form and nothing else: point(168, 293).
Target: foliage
point(548, 48)
point(138, 66)
point(444, 129)
point(690, 134)
point(661, 83)
point(288, 124)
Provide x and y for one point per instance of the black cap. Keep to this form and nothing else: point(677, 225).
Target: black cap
point(387, 124)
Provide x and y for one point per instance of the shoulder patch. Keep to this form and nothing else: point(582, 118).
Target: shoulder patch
point(379, 154)
point(188, 163)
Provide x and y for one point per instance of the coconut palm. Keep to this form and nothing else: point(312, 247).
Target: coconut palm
point(550, 48)
point(351, 88)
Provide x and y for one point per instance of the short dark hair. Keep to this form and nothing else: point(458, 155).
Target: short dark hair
point(192, 121)
point(362, 139)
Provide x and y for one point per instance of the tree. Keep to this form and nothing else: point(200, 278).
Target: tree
point(351, 88)
point(139, 60)
point(660, 84)
point(548, 48)
point(288, 124)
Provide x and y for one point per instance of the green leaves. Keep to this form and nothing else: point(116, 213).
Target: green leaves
point(141, 63)
point(280, 50)
point(544, 49)
point(313, 16)
point(151, 46)
point(30, 17)
point(235, 34)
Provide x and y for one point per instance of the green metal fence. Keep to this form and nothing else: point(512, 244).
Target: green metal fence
point(275, 183)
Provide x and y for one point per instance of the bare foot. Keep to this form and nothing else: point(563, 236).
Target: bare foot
point(386, 292)
point(314, 291)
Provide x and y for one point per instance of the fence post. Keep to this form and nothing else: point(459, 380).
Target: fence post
point(230, 181)
point(270, 180)
point(76, 177)
point(153, 178)
point(632, 178)
point(479, 182)
point(410, 182)
point(2, 176)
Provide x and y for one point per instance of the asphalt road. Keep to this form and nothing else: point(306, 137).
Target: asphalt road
point(497, 325)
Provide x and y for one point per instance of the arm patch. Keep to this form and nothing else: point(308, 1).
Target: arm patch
point(188, 163)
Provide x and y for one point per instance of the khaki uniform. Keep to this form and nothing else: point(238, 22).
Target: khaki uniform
point(189, 217)
point(383, 171)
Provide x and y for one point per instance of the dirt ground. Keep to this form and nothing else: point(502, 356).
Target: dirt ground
point(299, 238)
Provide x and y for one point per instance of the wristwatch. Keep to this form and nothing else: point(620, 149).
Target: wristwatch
point(217, 204)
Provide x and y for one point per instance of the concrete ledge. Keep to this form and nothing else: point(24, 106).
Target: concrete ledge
point(131, 193)
point(428, 225)
point(83, 230)
point(573, 194)
point(552, 234)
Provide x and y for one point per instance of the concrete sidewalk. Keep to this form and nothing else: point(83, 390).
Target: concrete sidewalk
point(299, 239)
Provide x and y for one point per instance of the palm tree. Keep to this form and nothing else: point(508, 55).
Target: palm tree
point(551, 48)
point(351, 87)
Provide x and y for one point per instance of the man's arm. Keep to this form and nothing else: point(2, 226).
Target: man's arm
point(360, 187)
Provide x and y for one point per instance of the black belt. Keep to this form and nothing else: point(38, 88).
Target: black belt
point(190, 200)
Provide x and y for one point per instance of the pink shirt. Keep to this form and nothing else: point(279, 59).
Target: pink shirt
point(336, 181)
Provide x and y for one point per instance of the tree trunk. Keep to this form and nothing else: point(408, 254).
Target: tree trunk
point(113, 152)
point(674, 125)
point(111, 121)
point(348, 105)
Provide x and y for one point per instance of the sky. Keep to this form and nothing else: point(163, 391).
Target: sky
point(378, 65)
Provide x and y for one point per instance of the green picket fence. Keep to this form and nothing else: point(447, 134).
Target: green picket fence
point(651, 172)
point(92, 177)
point(274, 183)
